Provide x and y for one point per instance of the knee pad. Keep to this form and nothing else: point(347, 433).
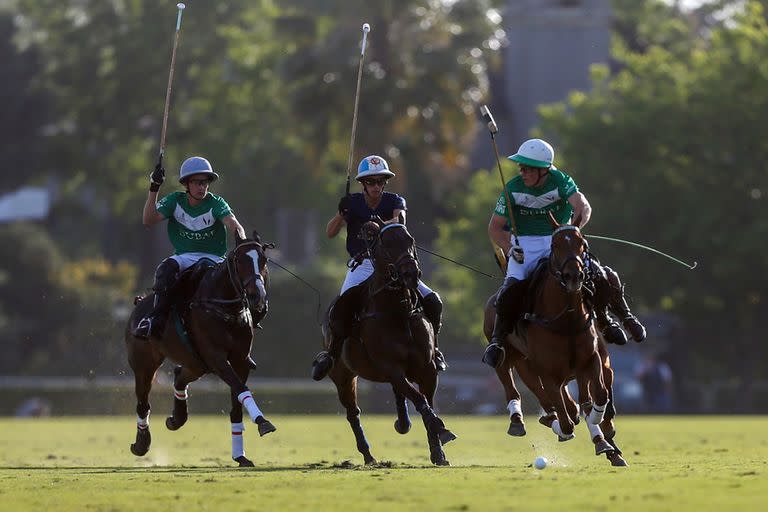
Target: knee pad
point(165, 275)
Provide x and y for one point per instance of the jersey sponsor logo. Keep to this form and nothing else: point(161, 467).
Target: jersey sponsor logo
point(196, 236)
point(197, 223)
point(536, 202)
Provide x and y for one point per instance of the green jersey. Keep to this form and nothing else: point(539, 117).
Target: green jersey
point(196, 228)
point(530, 205)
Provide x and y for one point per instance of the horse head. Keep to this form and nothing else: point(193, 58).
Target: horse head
point(247, 265)
point(392, 250)
point(566, 261)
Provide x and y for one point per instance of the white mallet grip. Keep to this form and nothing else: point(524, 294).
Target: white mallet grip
point(486, 113)
point(366, 29)
point(180, 6)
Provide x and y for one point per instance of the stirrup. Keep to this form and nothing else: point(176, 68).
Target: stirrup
point(143, 329)
point(440, 363)
point(494, 354)
point(322, 364)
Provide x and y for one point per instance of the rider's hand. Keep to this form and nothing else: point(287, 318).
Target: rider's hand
point(156, 177)
point(344, 204)
point(516, 253)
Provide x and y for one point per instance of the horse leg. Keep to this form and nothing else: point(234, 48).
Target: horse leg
point(346, 388)
point(181, 379)
point(427, 386)
point(607, 426)
point(571, 406)
point(224, 370)
point(594, 375)
point(403, 421)
point(516, 423)
point(562, 425)
point(431, 421)
point(236, 420)
point(533, 382)
point(143, 384)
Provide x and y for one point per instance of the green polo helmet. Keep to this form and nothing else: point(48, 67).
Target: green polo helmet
point(535, 153)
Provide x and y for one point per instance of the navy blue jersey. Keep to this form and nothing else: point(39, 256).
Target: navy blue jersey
point(360, 213)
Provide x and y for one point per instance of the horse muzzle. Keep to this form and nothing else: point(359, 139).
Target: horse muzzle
point(256, 294)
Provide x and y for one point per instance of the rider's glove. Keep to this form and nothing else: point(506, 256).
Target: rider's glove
point(156, 177)
point(516, 253)
point(344, 204)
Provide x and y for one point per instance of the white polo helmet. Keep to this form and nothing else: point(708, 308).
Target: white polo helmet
point(373, 166)
point(535, 153)
point(196, 165)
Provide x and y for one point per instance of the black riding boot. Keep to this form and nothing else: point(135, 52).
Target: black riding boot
point(607, 326)
point(508, 303)
point(620, 308)
point(433, 311)
point(339, 317)
point(154, 323)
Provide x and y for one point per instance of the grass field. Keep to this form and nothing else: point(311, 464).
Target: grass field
point(310, 463)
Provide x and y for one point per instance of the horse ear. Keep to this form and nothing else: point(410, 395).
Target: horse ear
point(256, 236)
point(554, 222)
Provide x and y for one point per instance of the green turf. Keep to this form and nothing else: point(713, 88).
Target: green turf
point(310, 463)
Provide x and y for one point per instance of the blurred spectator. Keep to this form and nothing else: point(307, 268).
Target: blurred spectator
point(655, 375)
point(34, 407)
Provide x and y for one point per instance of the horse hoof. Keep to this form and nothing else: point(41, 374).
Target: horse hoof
point(369, 460)
point(568, 437)
point(139, 451)
point(403, 428)
point(547, 420)
point(602, 446)
point(443, 462)
point(516, 429)
point(266, 427)
point(616, 460)
point(171, 424)
point(143, 441)
point(244, 462)
point(446, 436)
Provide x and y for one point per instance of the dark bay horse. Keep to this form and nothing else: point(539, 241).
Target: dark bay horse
point(210, 333)
point(560, 343)
point(394, 343)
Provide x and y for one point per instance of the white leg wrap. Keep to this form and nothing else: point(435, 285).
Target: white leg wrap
point(557, 430)
point(142, 423)
point(596, 415)
point(594, 430)
point(181, 395)
point(246, 399)
point(238, 448)
point(514, 408)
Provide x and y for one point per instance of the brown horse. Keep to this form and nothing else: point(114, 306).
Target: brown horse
point(560, 343)
point(394, 342)
point(212, 332)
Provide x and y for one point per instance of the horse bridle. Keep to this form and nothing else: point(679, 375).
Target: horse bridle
point(238, 284)
point(395, 280)
point(583, 263)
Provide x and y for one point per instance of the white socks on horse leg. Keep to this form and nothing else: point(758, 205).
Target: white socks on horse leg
point(142, 423)
point(238, 448)
point(246, 399)
point(514, 408)
point(597, 413)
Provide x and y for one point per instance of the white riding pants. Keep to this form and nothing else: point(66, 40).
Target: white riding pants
point(534, 249)
point(364, 271)
point(188, 259)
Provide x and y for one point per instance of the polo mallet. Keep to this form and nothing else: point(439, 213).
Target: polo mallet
point(366, 29)
point(493, 129)
point(180, 6)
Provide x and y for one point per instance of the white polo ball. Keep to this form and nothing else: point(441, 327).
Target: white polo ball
point(540, 462)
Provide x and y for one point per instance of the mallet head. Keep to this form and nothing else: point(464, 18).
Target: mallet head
point(486, 113)
point(180, 6)
point(366, 28)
